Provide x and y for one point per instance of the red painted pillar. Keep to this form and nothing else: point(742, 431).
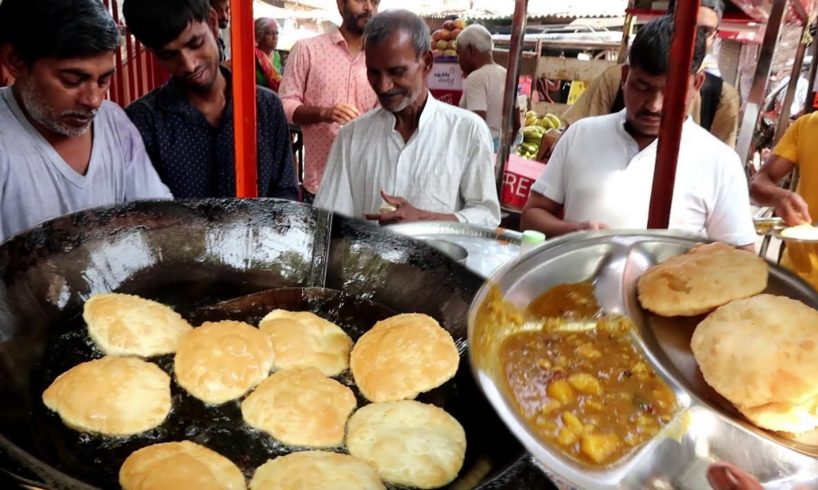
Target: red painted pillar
point(674, 113)
point(244, 97)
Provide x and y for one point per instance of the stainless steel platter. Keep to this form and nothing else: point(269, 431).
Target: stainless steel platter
point(706, 428)
point(488, 248)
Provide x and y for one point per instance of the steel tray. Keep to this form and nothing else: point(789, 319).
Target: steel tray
point(706, 428)
point(488, 248)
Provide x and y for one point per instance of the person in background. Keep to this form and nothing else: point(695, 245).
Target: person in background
point(187, 123)
point(798, 148)
point(485, 81)
point(414, 158)
point(715, 106)
point(601, 172)
point(268, 60)
point(325, 86)
point(222, 9)
point(63, 147)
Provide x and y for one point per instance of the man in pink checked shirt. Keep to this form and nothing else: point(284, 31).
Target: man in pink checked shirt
point(325, 86)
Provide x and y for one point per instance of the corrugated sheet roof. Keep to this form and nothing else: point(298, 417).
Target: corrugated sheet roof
point(484, 9)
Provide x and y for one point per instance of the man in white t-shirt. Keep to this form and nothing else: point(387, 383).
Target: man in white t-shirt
point(485, 81)
point(63, 147)
point(601, 172)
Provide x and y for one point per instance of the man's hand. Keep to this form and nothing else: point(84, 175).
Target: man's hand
point(547, 144)
point(341, 113)
point(404, 213)
point(723, 476)
point(591, 225)
point(792, 208)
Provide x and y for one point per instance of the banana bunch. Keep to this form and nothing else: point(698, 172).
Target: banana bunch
point(548, 121)
point(535, 128)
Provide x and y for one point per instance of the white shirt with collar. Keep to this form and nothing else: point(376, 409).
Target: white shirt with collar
point(445, 167)
point(599, 174)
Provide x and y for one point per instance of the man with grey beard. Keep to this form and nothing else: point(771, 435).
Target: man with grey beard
point(414, 158)
point(63, 148)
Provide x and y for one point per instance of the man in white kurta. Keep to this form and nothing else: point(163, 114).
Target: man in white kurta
point(601, 172)
point(414, 158)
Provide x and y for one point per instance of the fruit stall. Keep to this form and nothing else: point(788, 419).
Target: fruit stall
point(446, 80)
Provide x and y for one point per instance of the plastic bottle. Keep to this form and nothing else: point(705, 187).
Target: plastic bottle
point(531, 239)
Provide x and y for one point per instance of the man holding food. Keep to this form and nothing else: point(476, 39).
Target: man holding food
point(795, 150)
point(601, 172)
point(324, 86)
point(414, 158)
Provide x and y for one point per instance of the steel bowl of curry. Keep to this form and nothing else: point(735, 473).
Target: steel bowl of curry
point(605, 394)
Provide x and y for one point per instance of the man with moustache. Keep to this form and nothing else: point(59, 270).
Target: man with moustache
point(222, 9)
point(414, 158)
point(63, 147)
point(187, 124)
point(325, 87)
point(601, 172)
point(715, 106)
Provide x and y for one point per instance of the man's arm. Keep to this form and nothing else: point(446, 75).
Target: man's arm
point(283, 183)
point(764, 187)
point(545, 202)
point(294, 86)
point(478, 186)
point(405, 212)
point(477, 189)
point(764, 190)
point(541, 213)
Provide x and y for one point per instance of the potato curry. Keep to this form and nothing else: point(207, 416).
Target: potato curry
point(580, 382)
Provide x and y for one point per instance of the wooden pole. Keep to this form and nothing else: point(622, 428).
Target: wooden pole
point(674, 113)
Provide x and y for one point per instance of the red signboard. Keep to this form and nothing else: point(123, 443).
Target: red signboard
point(517, 181)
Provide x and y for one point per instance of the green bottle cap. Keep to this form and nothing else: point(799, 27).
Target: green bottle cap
point(531, 237)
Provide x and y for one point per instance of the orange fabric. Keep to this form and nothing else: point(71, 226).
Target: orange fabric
point(270, 73)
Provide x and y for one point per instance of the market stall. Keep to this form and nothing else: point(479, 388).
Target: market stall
point(242, 259)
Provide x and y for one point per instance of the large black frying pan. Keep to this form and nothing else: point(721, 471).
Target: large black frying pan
point(204, 258)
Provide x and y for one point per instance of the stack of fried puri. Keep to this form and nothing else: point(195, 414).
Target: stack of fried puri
point(761, 354)
point(408, 442)
point(759, 351)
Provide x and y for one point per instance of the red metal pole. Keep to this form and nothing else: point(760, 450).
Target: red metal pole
point(674, 113)
point(244, 97)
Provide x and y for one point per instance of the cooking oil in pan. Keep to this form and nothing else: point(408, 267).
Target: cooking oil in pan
point(96, 459)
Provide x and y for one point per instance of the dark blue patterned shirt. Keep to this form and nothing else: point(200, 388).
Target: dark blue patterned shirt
point(196, 159)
